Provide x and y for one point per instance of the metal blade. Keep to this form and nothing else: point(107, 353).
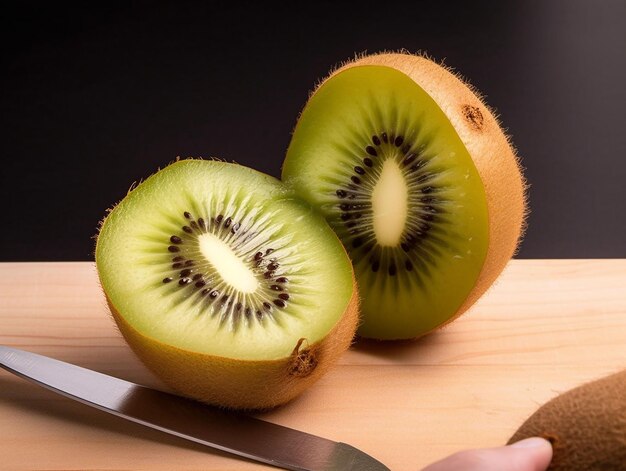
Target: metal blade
point(227, 431)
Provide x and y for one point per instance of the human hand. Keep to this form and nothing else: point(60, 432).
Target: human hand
point(531, 454)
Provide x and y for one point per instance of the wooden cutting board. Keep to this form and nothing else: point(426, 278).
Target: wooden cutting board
point(546, 326)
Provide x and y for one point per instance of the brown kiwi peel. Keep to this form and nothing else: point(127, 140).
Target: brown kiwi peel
point(586, 426)
point(238, 384)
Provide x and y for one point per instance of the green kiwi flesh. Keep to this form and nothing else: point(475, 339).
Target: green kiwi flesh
point(586, 426)
point(380, 160)
point(221, 260)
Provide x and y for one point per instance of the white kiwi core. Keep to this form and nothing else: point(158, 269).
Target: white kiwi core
point(230, 267)
point(389, 204)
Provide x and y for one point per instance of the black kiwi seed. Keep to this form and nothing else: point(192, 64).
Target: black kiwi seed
point(177, 265)
point(398, 141)
point(197, 276)
point(392, 269)
point(238, 307)
point(375, 266)
point(219, 218)
point(406, 148)
point(200, 284)
point(359, 170)
point(279, 302)
point(206, 291)
point(235, 227)
point(184, 273)
point(258, 256)
point(273, 266)
point(167, 280)
point(176, 240)
point(277, 288)
point(178, 258)
point(418, 165)
point(408, 265)
point(268, 274)
point(283, 296)
point(282, 279)
point(355, 179)
point(201, 223)
point(259, 314)
point(344, 206)
point(405, 246)
point(267, 306)
point(187, 215)
point(227, 222)
point(214, 294)
point(408, 159)
point(224, 299)
point(376, 140)
point(248, 312)
point(268, 251)
point(345, 216)
point(357, 242)
point(187, 229)
point(341, 193)
point(427, 189)
point(385, 138)
point(189, 263)
point(371, 151)
point(173, 248)
point(184, 281)
point(368, 162)
point(194, 224)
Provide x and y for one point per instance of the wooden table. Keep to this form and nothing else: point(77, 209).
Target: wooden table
point(545, 327)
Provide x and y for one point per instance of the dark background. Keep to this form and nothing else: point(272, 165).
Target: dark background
point(94, 98)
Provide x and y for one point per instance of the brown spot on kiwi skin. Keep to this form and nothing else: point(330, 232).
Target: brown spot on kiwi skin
point(586, 426)
point(303, 360)
point(473, 116)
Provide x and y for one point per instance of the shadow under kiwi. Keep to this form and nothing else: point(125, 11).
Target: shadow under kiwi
point(400, 349)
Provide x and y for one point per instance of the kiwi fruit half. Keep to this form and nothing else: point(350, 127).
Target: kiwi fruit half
point(586, 426)
point(229, 289)
point(415, 175)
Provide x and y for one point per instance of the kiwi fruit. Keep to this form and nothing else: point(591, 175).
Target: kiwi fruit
point(418, 180)
point(586, 426)
point(227, 287)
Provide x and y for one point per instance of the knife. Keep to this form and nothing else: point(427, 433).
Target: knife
point(231, 432)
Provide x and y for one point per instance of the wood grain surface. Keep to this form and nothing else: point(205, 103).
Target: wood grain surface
point(545, 327)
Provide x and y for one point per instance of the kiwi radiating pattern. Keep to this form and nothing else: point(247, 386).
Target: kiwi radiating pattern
point(352, 215)
point(191, 275)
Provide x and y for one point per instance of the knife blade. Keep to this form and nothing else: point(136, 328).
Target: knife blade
point(231, 432)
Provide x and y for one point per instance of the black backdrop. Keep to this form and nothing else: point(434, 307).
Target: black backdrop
point(94, 98)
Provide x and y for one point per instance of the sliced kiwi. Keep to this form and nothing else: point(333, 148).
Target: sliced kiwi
point(230, 289)
point(382, 161)
point(586, 426)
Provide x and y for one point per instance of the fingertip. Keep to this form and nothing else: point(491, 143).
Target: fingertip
point(536, 450)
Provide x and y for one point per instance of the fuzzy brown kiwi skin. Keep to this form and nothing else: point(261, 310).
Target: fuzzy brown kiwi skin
point(586, 426)
point(491, 150)
point(241, 384)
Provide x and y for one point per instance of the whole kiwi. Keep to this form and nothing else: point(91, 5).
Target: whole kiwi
point(586, 426)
